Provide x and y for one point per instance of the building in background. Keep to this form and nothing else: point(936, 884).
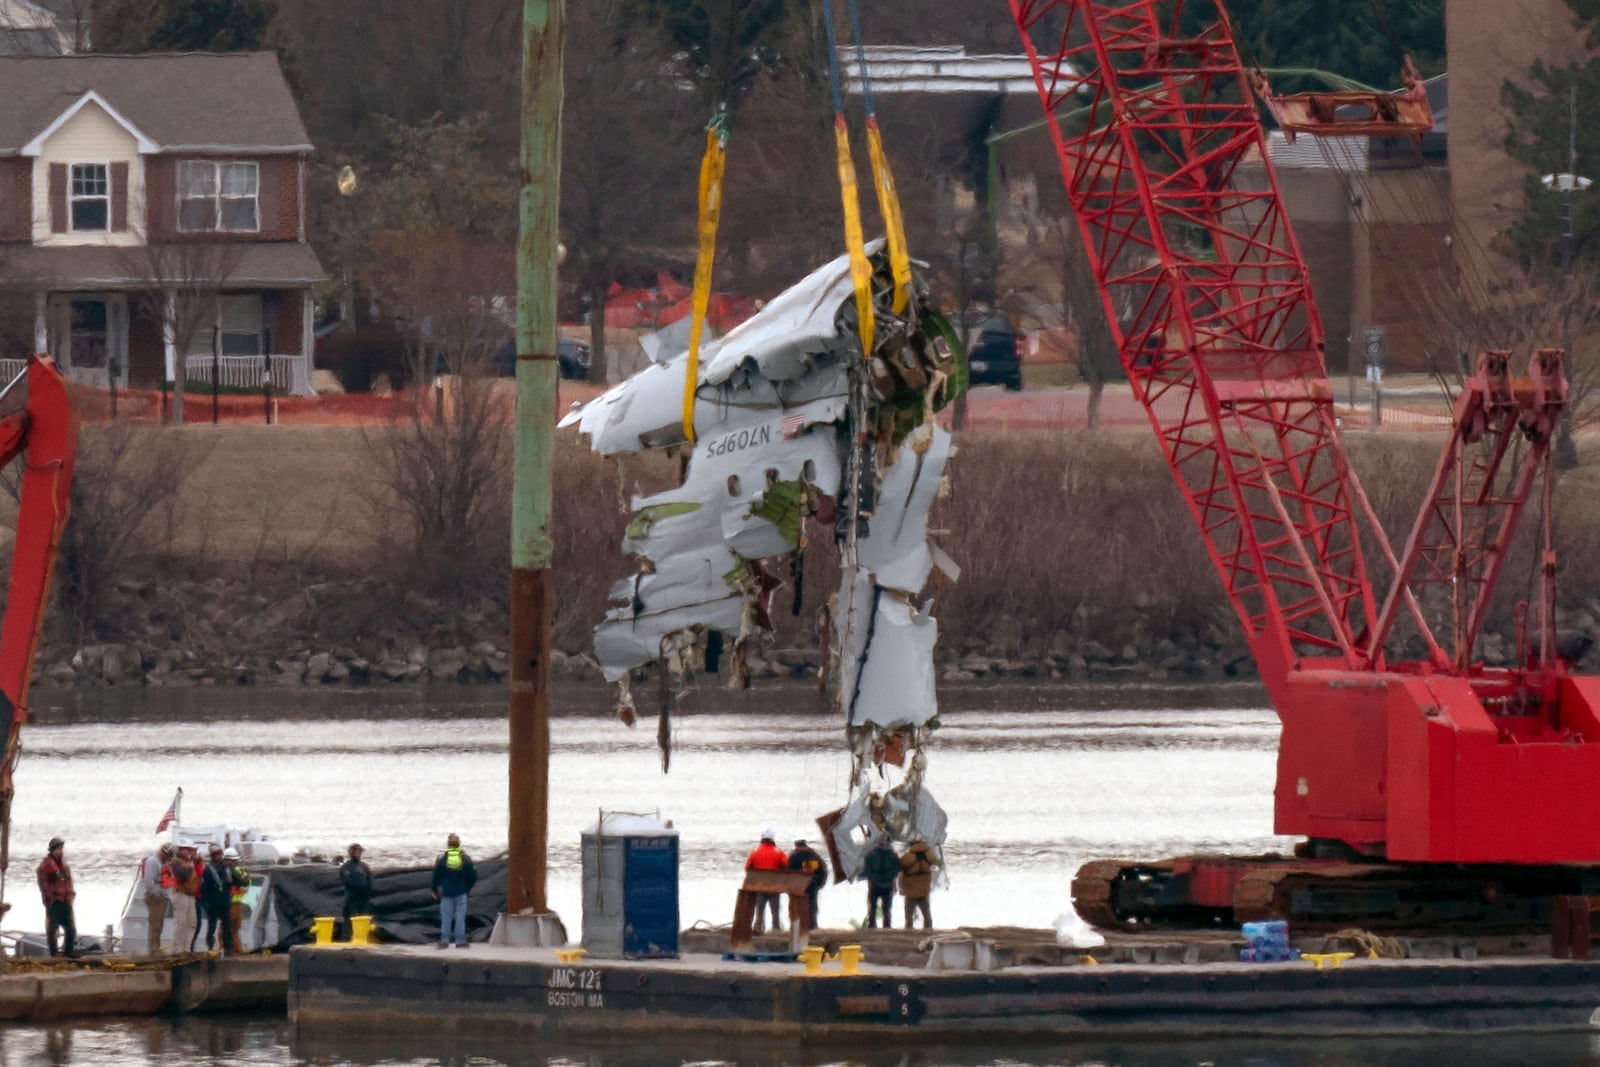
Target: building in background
point(154, 209)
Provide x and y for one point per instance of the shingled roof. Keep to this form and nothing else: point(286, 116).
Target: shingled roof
point(190, 101)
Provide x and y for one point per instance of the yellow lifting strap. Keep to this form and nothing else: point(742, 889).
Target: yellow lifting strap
point(893, 222)
point(711, 169)
point(860, 269)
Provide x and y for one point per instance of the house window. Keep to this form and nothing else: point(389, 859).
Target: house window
point(219, 197)
point(91, 198)
point(89, 336)
point(242, 324)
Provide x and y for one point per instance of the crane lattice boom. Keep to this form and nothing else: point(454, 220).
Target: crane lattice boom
point(1210, 303)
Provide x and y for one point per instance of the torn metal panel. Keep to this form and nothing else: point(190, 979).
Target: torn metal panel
point(812, 459)
point(669, 342)
point(885, 643)
point(895, 683)
point(695, 537)
point(646, 411)
point(783, 340)
point(896, 550)
point(905, 813)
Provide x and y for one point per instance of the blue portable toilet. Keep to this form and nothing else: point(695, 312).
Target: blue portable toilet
point(630, 887)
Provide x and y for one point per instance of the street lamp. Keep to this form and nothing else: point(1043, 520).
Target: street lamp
point(1567, 183)
point(348, 183)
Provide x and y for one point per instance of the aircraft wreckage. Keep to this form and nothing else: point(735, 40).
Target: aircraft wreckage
point(796, 432)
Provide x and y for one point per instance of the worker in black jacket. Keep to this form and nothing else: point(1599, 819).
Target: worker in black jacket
point(805, 858)
point(216, 900)
point(453, 878)
point(356, 879)
point(882, 865)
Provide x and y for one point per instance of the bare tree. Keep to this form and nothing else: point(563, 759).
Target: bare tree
point(124, 475)
point(1083, 311)
point(183, 280)
point(44, 27)
point(361, 58)
point(16, 314)
point(430, 234)
point(454, 290)
point(627, 182)
point(440, 493)
point(1535, 310)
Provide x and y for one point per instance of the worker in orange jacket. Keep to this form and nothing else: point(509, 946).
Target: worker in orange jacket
point(767, 856)
point(55, 888)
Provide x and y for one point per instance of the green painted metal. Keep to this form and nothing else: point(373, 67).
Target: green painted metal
point(537, 254)
point(528, 763)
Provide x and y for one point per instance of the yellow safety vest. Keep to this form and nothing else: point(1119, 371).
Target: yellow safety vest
point(243, 886)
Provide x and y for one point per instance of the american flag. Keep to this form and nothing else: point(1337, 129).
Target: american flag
point(171, 815)
point(793, 424)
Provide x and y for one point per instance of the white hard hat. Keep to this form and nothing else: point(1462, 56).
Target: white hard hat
point(769, 834)
point(230, 853)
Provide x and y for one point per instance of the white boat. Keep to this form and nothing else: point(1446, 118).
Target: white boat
point(259, 855)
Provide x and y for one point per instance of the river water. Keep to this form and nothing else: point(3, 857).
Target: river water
point(1036, 779)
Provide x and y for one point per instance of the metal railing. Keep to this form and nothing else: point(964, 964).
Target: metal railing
point(290, 374)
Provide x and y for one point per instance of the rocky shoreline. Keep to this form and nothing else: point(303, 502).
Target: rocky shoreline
point(219, 632)
point(353, 632)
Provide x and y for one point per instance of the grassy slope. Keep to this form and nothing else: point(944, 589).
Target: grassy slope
point(1081, 532)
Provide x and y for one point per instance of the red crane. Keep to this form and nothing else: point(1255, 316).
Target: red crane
point(45, 434)
point(1394, 773)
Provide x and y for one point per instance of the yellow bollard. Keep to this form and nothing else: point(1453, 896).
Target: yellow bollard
point(360, 929)
point(850, 958)
point(570, 955)
point(811, 956)
point(322, 930)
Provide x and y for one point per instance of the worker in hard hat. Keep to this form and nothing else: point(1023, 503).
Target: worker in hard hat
point(237, 890)
point(155, 884)
point(454, 875)
point(767, 856)
point(216, 897)
point(55, 889)
point(805, 858)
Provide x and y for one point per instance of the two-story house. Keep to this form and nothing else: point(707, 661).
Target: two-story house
point(154, 208)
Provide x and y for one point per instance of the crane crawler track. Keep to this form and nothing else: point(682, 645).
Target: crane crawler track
point(1325, 895)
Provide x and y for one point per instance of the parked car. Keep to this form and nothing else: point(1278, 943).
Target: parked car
point(319, 343)
point(995, 358)
point(572, 359)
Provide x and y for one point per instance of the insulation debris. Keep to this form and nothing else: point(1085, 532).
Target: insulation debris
point(798, 441)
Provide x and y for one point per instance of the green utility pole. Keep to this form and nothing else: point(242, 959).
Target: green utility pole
point(535, 439)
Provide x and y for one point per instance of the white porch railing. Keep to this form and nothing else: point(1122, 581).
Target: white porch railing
point(9, 369)
point(290, 374)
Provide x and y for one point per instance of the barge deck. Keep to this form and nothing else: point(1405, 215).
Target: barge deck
point(531, 993)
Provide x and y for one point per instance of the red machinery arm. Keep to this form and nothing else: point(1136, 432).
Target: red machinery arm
point(1210, 302)
point(46, 430)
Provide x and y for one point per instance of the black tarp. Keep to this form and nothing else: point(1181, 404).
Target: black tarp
point(403, 907)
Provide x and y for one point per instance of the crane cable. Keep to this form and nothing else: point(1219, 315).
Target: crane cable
point(712, 166)
point(860, 269)
point(883, 180)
